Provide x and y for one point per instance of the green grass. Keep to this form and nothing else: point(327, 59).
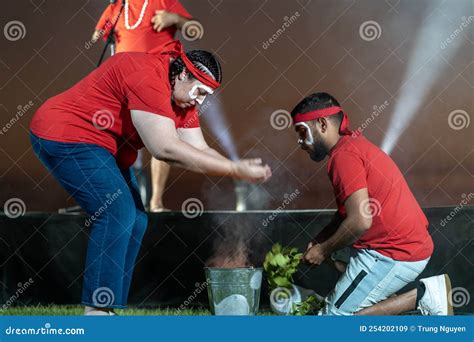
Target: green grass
point(77, 310)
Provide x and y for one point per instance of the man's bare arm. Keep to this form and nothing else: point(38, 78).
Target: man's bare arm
point(353, 226)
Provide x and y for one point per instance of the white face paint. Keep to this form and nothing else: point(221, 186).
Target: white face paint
point(193, 92)
point(309, 135)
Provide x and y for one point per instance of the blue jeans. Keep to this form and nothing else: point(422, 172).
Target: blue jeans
point(110, 196)
point(370, 277)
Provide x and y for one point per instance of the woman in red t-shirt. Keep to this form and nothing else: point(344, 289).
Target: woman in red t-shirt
point(88, 137)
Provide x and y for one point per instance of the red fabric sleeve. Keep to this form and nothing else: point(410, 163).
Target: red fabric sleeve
point(106, 16)
point(189, 119)
point(347, 173)
point(143, 92)
point(176, 7)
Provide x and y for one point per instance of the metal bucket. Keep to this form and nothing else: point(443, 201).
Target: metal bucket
point(234, 291)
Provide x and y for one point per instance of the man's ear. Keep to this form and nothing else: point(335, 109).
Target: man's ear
point(322, 123)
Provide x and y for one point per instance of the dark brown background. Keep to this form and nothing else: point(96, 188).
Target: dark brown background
point(321, 51)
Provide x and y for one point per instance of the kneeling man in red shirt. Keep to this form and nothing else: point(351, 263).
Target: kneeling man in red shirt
point(379, 225)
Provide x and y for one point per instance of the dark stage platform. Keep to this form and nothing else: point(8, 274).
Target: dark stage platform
point(50, 249)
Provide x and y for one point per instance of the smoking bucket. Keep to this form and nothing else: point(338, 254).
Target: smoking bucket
point(234, 291)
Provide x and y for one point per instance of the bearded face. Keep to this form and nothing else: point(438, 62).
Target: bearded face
point(311, 142)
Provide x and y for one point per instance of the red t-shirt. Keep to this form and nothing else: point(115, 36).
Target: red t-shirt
point(143, 38)
point(97, 109)
point(399, 227)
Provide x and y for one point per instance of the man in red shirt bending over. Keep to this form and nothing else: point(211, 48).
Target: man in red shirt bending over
point(378, 221)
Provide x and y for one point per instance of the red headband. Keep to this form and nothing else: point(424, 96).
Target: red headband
point(175, 49)
point(320, 113)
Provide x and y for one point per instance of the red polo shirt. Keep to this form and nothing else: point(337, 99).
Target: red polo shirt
point(143, 38)
point(96, 110)
point(399, 227)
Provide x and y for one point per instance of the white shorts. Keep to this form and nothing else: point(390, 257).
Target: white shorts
point(370, 277)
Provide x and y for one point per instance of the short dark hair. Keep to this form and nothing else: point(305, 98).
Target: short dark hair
point(198, 58)
point(318, 101)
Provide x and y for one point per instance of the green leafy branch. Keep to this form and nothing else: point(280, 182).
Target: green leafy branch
point(280, 264)
point(310, 306)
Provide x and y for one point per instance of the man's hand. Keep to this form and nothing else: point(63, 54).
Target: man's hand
point(252, 170)
point(164, 19)
point(160, 137)
point(315, 254)
point(351, 228)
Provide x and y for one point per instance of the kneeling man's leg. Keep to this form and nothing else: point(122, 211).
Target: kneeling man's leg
point(370, 277)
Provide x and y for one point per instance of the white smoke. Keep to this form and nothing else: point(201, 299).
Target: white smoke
point(438, 37)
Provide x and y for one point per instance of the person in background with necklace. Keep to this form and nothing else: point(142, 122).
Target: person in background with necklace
point(144, 25)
